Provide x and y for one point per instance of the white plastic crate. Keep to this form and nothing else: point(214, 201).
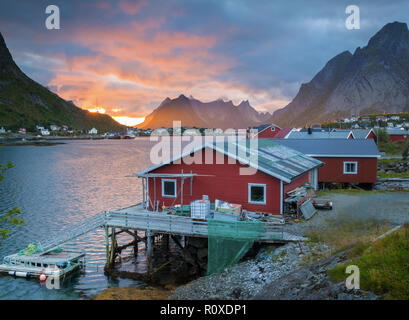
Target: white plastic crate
point(200, 209)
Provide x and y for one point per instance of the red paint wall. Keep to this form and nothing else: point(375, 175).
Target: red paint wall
point(332, 170)
point(268, 133)
point(226, 184)
point(300, 181)
point(397, 137)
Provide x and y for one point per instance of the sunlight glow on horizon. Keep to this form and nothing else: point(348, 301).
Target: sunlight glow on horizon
point(129, 121)
point(97, 110)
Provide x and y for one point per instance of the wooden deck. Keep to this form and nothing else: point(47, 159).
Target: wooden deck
point(138, 218)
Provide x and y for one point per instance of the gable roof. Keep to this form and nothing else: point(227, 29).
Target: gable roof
point(358, 133)
point(320, 135)
point(264, 127)
point(274, 159)
point(359, 148)
point(395, 131)
point(283, 133)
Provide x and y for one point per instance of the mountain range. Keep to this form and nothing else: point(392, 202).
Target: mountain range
point(24, 103)
point(373, 79)
point(194, 113)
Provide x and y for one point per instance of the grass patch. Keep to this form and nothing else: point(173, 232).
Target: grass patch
point(393, 175)
point(350, 191)
point(384, 266)
point(347, 231)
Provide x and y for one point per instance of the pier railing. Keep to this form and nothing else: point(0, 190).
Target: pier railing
point(161, 222)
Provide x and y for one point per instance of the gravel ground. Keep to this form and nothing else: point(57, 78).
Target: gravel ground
point(391, 208)
point(245, 279)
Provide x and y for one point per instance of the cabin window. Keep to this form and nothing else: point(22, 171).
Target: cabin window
point(169, 188)
point(257, 193)
point(350, 167)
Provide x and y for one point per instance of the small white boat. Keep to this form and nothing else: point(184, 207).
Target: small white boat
point(55, 263)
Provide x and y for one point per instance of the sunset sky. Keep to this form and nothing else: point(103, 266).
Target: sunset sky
point(125, 57)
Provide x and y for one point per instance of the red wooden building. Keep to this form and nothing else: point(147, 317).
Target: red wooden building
point(279, 169)
point(345, 160)
point(397, 134)
point(267, 131)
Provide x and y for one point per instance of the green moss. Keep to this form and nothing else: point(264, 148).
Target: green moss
point(394, 175)
point(383, 266)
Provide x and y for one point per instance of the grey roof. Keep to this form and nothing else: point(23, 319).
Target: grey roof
point(333, 147)
point(272, 157)
point(276, 159)
point(318, 135)
point(396, 131)
point(358, 133)
point(361, 133)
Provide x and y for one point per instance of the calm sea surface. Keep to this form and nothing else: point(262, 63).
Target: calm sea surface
point(56, 186)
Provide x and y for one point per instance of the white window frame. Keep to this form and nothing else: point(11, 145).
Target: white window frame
point(257, 185)
point(273, 128)
point(163, 188)
point(351, 162)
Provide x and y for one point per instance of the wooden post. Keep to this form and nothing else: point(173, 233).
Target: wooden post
point(113, 248)
point(149, 249)
point(143, 194)
point(135, 246)
point(106, 244)
point(181, 194)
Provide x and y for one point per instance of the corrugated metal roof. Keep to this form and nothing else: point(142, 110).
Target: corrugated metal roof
point(333, 147)
point(318, 135)
point(276, 159)
point(273, 158)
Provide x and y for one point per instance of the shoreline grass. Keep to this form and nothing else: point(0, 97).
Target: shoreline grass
point(383, 265)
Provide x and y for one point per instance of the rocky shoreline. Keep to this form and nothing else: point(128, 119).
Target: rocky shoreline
point(288, 265)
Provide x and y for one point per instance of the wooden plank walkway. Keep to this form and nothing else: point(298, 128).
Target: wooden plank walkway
point(136, 217)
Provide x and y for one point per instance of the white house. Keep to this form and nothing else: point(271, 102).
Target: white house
point(2, 130)
point(54, 127)
point(93, 131)
point(45, 132)
point(390, 124)
point(39, 128)
point(396, 118)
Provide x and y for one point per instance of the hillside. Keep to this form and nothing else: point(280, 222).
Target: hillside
point(194, 113)
point(373, 79)
point(25, 103)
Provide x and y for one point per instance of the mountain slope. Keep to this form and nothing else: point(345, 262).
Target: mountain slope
point(373, 79)
point(194, 113)
point(25, 103)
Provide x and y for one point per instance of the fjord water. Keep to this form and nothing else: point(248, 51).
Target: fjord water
point(58, 186)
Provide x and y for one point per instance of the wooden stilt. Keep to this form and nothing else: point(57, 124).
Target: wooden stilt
point(113, 248)
point(106, 245)
point(149, 249)
point(135, 247)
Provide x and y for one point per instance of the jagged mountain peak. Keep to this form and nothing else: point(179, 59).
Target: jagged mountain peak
point(215, 114)
point(392, 34)
point(374, 79)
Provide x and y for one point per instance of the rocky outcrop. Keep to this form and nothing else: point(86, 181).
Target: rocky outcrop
point(373, 79)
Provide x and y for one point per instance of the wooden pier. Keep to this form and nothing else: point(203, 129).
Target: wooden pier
point(154, 226)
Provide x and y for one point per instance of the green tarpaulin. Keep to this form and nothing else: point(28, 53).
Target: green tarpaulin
point(229, 241)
